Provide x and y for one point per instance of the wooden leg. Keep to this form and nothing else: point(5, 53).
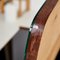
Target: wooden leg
point(20, 9)
point(2, 7)
point(27, 5)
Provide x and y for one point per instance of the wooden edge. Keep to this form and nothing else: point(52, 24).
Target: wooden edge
point(47, 43)
point(24, 28)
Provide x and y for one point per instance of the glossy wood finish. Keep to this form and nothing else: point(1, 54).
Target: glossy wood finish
point(50, 41)
point(35, 36)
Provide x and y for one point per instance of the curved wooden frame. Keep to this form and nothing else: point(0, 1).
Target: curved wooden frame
point(35, 37)
point(50, 42)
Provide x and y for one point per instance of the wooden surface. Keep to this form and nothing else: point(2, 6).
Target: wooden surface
point(35, 37)
point(50, 41)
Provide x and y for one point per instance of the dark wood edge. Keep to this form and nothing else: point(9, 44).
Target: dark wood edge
point(24, 28)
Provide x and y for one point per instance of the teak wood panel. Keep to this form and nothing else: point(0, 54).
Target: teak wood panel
point(50, 41)
point(40, 21)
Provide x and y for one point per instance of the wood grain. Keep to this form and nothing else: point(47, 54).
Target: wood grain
point(50, 44)
point(36, 34)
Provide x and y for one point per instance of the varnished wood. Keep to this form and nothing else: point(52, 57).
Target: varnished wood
point(35, 37)
point(50, 44)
